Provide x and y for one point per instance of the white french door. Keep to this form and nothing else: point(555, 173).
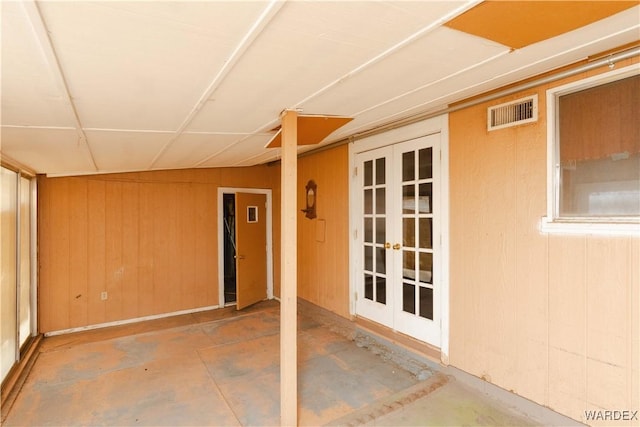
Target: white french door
point(398, 283)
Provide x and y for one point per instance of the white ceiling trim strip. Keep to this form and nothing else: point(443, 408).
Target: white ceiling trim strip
point(381, 56)
point(46, 45)
point(390, 51)
point(261, 23)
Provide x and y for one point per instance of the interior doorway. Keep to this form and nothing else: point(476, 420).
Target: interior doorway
point(245, 261)
point(230, 249)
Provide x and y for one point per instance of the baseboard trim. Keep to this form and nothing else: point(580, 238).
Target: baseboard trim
point(129, 321)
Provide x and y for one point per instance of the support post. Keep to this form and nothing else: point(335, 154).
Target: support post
point(289, 282)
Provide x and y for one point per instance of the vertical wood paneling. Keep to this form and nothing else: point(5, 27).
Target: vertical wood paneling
point(78, 273)
point(130, 250)
point(96, 250)
point(59, 292)
point(114, 267)
point(148, 239)
point(145, 250)
point(323, 271)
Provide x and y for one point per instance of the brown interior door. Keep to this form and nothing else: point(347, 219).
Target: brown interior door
point(251, 252)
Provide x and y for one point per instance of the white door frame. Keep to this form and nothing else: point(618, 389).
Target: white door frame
point(269, 225)
point(431, 126)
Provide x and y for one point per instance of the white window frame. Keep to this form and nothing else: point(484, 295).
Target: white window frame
point(553, 222)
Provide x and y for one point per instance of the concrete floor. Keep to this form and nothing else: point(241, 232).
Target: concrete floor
point(222, 368)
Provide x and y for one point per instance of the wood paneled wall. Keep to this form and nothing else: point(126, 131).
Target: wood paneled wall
point(323, 242)
point(553, 318)
point(148, 239)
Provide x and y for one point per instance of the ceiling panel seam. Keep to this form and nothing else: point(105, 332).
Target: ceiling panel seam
point(41, 32)
point(393, 49)
point(256, 29)
point(389, 51)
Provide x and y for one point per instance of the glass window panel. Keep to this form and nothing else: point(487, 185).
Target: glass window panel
point(381, 234)
point(381, 260)
point(408, 264)
point(368, 230)
point(599, 150)
point(425, 231)
point(409, 232)
point(426, 303)
point(408, 199)
point(368, 173)
point(409, 298)
point(368, 286)
point(425, 165)
point(380, 171)
point(9, 210)
point(425, 198)
point(381, 290)
point(25, 261)
point(368, 201)
point(426, 267)
point(380, 200)
point(408, 166)
point(368, 258)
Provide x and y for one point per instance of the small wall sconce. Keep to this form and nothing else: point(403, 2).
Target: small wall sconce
point(311, 195)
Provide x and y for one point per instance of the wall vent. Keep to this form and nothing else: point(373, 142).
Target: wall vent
point(520, 111)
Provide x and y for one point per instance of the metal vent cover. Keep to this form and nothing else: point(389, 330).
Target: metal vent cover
point(513, 113)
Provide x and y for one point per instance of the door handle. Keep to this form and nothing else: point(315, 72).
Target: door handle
point(240, 257)
point(397, 246)
point(387, 245)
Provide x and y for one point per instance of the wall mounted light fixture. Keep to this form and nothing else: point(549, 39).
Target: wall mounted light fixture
point(311, 197)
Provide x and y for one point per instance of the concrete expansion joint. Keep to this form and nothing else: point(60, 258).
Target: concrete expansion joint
point(392, 403)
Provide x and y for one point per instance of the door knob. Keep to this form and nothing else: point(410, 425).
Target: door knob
point(387, 245)
point(397, 246)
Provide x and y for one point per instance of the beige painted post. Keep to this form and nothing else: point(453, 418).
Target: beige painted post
point(288, 288)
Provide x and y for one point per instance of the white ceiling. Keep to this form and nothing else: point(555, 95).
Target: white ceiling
point(112, 86)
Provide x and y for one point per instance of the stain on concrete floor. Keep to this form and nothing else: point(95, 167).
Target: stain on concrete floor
point(226, 372)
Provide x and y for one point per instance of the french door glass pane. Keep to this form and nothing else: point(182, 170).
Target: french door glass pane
point(408, 166)
point(425, 230)
point(409, 232)
point(426, 303)
point(368, 201)
point(368, 286)
point(381, 289)
point(9, 210)
point(381, 261)
point(368, 230)
point(380, 171)
point(368, 258)
point(380, 201)
point(409, 298)
point(425, 163)
point(381, 224)
point(408, 199)
point(368, 173)
point(425, 198)
point(426, 267)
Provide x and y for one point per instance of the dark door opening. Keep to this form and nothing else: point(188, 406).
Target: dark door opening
point(229, 220)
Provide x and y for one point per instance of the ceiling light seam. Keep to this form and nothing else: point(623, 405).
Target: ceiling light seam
point(393, 124)
point(39, 127)
point(423, 31)
point(435, 82)
point(393, 49)
point(42, 34)
point(246, 42)
point(393, 117)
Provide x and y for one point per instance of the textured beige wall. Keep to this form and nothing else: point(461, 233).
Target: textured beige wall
point(552, 318)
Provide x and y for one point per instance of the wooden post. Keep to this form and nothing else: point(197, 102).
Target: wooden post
point(289, 282)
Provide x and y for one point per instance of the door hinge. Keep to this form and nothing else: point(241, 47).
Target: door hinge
point(355, 234)
point(355, 171)
point(355, 296)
